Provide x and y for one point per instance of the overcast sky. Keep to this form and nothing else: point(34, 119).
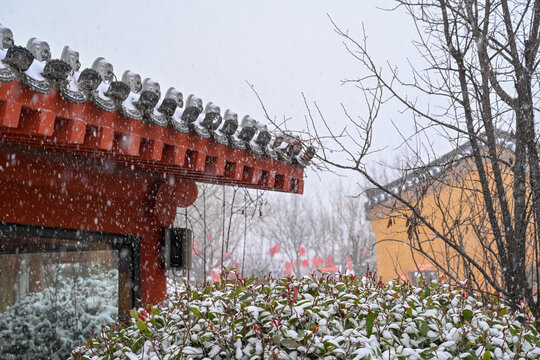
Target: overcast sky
point(211, 48)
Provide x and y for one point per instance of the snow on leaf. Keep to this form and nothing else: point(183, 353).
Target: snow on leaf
point(329, 318)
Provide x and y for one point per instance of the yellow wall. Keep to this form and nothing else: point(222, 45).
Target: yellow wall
point(455, 206)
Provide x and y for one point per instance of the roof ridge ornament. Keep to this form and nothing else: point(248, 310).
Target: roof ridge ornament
point(176, 120)
point(19, 59)
point(305, 158)
point(33, 77)
point(287, 146)
point(223, 134)
point(243, 135)
point(208, 121)
point(172, 101)
point(260, 143)
point(6, 38)
point(106, 71)
point(56, 71)
point(212, 117)
point(6, 42)
point(149, 99)
point(118, 91)
point(71, 90)
point(129, 106)
point(192, 111)
point(139, 100)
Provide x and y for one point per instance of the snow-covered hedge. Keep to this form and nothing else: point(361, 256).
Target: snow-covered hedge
point(50, 323)
point(319, 318)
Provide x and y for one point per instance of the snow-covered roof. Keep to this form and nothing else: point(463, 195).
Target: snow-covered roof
point(55, 103)
point(432, 170)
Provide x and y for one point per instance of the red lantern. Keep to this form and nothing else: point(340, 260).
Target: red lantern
point(302, 251)
point(305, 263)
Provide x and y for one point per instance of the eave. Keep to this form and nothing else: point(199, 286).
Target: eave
point(48, 121)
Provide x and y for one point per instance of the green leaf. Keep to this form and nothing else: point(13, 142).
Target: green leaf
point(137, 345)
point(427, 292)
point(134, 314)
point(159, 323)
point(141, 325)
point(195, 295)
point(197, 312)
point(424, 328)
point(369, 323)
point(487, 355)
point(467, 314)
point(290, 343)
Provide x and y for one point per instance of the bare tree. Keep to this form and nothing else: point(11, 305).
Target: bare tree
point(289, 225)
point(219, 218)
point(332, 225)
point(350, 229)
point(480, 77)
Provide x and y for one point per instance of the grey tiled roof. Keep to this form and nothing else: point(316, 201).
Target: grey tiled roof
point(431, 170)
point(141, 100)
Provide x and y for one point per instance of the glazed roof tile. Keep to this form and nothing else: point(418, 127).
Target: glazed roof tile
point(432, 170)
point(52, 105)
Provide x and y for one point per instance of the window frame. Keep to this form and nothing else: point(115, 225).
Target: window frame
point(118, 241)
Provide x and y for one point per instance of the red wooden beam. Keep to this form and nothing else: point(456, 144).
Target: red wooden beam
point(50, 122)
point(9, 114)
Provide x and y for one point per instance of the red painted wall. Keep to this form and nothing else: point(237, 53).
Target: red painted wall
point(44, 188)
